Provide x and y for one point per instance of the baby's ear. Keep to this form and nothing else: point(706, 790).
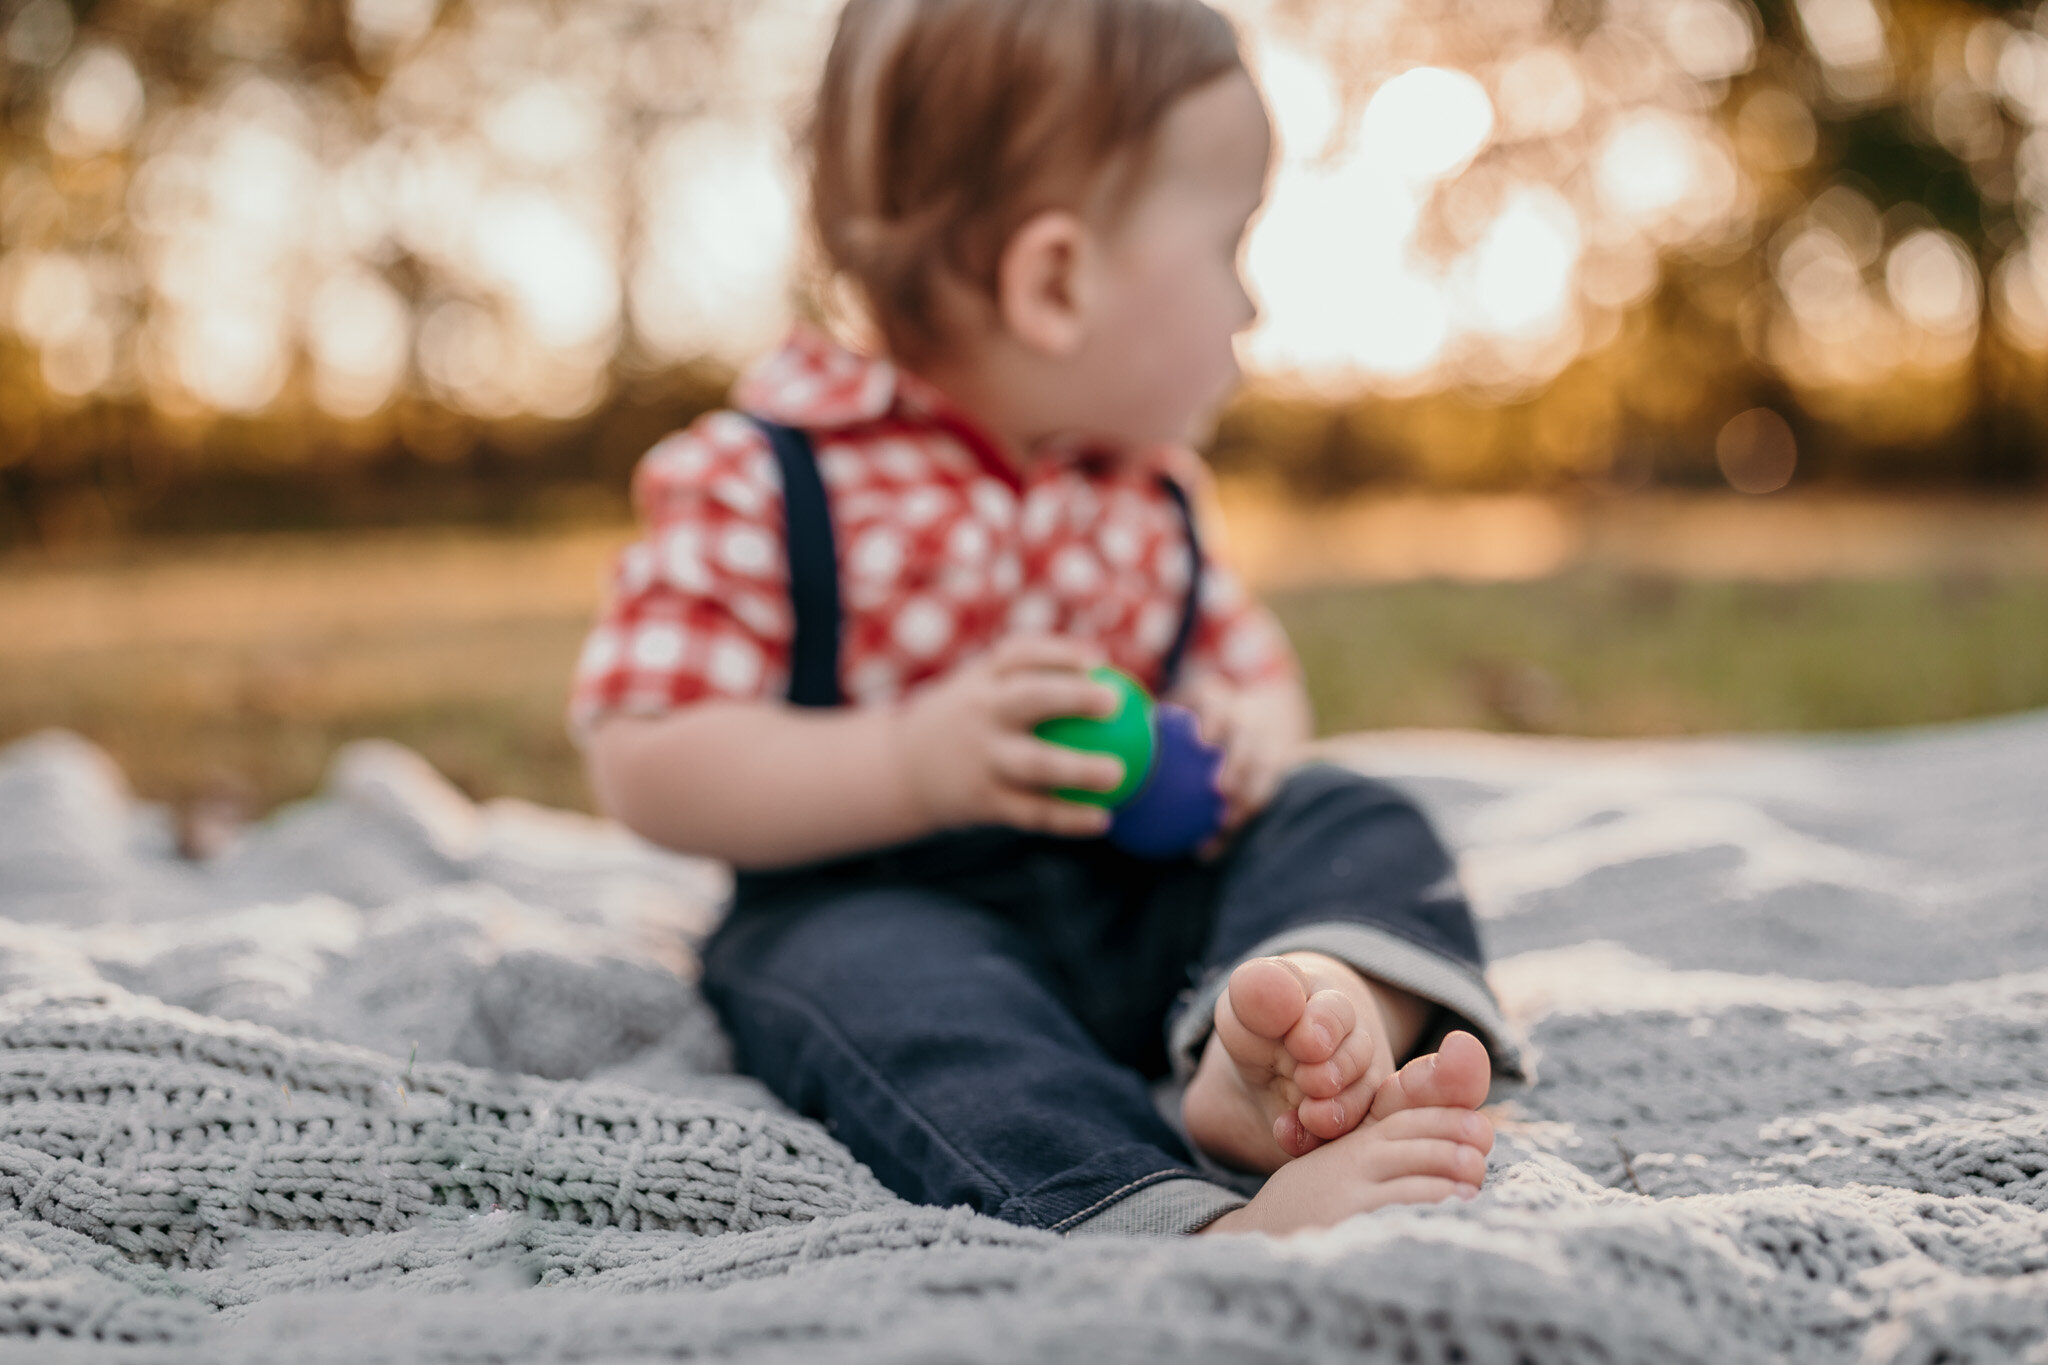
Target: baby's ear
point(1042, 283)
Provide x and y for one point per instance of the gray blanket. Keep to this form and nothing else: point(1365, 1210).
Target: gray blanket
point(403, 1078)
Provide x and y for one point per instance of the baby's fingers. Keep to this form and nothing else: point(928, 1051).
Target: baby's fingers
point(1031, 763)
point(1247, 780)
point(1024, 699)
point(1234, 782)
point(1213, 715)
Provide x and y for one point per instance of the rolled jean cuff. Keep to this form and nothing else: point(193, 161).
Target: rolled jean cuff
point(1168, 1208)
point(1373, 952)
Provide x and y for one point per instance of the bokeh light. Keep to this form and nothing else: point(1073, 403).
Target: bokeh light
point(98, 104)
point(1459, 233)
point(1757, 451)
point(358, 336)
point(1638, 215)
point(713, 268)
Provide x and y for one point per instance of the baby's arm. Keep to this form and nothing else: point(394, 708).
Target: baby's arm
point(763, 785)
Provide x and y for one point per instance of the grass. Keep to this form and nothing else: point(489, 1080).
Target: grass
point(1610, 654)
point(232, 673)
point(258, 726)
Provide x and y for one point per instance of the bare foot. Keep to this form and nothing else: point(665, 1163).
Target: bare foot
point(1425, 1142)
point(1458, 1074)
point(1302, 1045)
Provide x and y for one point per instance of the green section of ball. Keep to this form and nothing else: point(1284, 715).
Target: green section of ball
point(1126, 735)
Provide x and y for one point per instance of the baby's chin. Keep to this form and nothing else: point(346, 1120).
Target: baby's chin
point(1192, 429)
point(1200, 423)
point(1120, 445)
point(1186, 418)
point(1143, 432)
point(1199, 427)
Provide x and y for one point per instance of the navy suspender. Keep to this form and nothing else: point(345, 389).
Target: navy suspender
point(814, 574)
point(1191, 607)
point(813, 570)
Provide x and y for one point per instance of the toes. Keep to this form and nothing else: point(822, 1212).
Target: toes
point(1464, 1072)
point(1332, 1116)
point(1294, 1138)
point(1423, 1189)
point(1451, 1124)
point(1255, 1057)
point(1440, 1157)
point(1328, 1120)
point(1356, 1061)
point(1269, 997)
point(1327, 1021)
point(1457, 1074)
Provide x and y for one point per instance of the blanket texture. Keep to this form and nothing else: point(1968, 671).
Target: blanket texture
point(401, 1078)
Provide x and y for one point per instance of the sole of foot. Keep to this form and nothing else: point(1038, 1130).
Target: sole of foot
point(1301, 1045)
point(1424, 1141)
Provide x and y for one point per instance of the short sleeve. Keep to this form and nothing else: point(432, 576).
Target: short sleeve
point(698, 605)
point(1236, 637)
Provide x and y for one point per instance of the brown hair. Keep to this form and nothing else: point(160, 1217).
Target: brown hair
point(942, 126)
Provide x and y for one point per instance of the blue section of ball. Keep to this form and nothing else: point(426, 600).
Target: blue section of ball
point(1178, 807)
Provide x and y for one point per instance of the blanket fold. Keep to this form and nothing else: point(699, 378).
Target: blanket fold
point(405, 1078)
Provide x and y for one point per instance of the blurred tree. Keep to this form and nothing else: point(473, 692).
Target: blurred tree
point(1862, 258)
point(292, 261)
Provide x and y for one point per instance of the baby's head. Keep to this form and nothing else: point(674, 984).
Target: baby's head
point(1041, 204)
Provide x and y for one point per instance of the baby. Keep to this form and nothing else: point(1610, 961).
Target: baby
point(856, 594)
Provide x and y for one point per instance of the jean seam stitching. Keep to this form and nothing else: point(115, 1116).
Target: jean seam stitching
point(1115, 1195)
point(795, 1000)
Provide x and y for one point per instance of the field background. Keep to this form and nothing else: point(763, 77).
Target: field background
point(1640, 368)
point(222, 672)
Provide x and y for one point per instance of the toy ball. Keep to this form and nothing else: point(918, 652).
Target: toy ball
point(1126, 735)
point(1179, 806)
point(1167, 805)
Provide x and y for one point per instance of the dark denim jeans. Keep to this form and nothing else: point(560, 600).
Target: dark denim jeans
point(979, 1017)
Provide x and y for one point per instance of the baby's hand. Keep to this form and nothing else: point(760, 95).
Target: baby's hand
point(1259, 736)
point(968, 752)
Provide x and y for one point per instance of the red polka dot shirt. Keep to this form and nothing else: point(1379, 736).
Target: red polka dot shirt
point(944, 547)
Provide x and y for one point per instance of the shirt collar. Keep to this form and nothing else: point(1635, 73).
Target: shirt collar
point(811, 381)
point(814, 382)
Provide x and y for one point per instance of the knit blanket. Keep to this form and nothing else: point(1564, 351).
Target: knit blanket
point(403, 1078)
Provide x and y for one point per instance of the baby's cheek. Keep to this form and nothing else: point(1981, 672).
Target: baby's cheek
point(1189, 364)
